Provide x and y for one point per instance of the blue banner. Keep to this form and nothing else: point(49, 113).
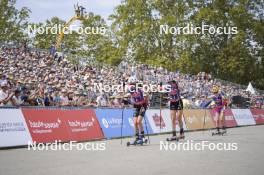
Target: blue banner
point(111, 120)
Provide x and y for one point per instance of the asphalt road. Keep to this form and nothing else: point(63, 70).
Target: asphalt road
point(245, 157)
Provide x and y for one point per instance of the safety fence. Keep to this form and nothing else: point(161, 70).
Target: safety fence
point(23, 126)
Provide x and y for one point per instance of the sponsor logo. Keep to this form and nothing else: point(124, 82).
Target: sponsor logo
point(105, 123)
point(158, 120)
point(112, 122)
point(192, 119)
point(131, 122)
point(80, 126)
point(259, 116)
point(12, 127)
point(46, 125)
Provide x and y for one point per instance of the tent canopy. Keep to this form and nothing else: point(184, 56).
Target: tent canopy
point(250, 89)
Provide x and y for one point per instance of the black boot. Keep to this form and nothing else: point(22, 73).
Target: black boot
point(182, 134)
point(218, 130)
point(142, 134)
point(174, 137)
point(137, 137)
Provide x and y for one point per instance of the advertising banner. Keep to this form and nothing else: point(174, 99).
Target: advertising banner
point(13, 128)
point(198, 119)
point(258, 115)
point(82, 124)
point(161, 123)
point(229, 118)
point(243, 117)
point(111, 121)
point(46, 125)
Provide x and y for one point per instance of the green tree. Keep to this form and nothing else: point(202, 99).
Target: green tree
point(234, 57)
point(231, 57)
point(45, 38)
point(99, 44)
point(13, 22)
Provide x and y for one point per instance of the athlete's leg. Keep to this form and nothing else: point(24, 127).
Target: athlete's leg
point(173, 121)
point(136, 115)
point(217, 115)
point(140, 126)
point(222, 119)
point(136, 127)
point(139, 121)
point(180, 118)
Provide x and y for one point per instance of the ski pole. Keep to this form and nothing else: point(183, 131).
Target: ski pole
point(146, 127)
point(122, 124)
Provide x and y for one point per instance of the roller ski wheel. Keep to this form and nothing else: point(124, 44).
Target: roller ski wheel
point(171, 139)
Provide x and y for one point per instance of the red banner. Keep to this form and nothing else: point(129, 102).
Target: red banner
point(49, 125)
point(229, 118)
point(46, 125)
point(258, 115)
point(82, 125)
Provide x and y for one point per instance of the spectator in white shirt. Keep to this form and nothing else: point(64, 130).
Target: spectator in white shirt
point(101, 101)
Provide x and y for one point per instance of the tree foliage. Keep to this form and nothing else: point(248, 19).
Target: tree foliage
point(12, 21)
point(46, 38)
point(234, 57)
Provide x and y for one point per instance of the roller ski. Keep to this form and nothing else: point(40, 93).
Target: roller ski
point(138, 141)
point(171, 139)
point(175, 138)
point(220, 133)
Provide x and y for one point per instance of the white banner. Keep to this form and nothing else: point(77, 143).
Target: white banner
point(13, 128)
point(163, 125)
point(243, 117)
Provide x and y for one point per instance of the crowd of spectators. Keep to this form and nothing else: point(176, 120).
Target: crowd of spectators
point(36, 78)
